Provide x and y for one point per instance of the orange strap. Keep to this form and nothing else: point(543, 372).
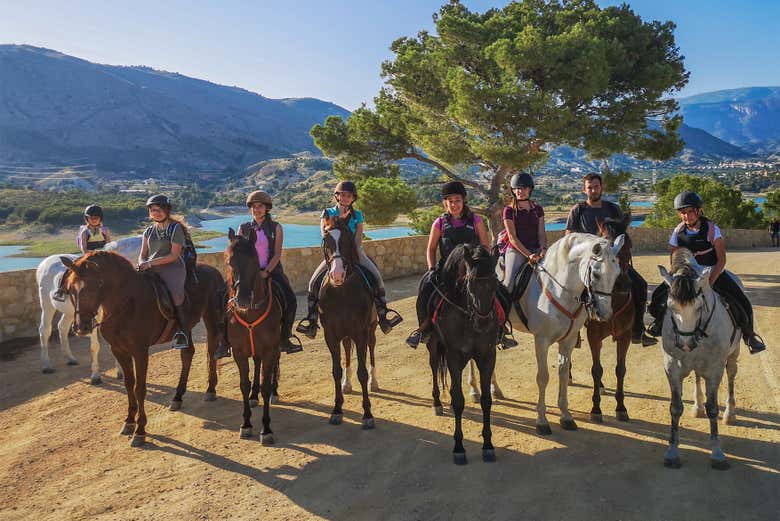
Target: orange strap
point(559, 307)
point(259, 320)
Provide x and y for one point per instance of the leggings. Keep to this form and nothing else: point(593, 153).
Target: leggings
point(514, 261)
point(316, 278)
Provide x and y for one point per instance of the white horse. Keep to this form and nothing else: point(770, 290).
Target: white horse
point(698, 335)
point(48, 276)
point(577, 264)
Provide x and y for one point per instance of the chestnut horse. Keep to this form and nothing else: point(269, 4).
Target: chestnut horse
point(254, 327)
point(131, 322)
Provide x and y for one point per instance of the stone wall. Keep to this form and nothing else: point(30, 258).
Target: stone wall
point(20, 311)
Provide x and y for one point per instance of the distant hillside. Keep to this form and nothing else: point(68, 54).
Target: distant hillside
point(55, 107)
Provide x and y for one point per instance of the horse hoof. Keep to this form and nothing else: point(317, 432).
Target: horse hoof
point(596, 417)
point(488, 455)
point(267, 439)
point(346, 389)
point(374, 387)
point(253, 403)
point(438, 410)
point(497, 394)
point(245, 433)
point(175, 405)
point(138, 440)
point(568, 425)
point(209, 397)
point(335, 419)
point(730, 419)
point(672, 463)
point(127, 429)
point(96, 380)
point(72, 362)
point(274, 398)
point(459, 458)
point(47, 370)
point(475, 398)
point(368, 424)
point(719, 464)
point(622, 416)
point(544, 430)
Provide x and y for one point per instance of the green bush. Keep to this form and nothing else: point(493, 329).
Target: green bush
point(382, 199)
point(422, 218)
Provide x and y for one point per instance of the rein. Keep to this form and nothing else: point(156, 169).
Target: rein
point(250, 326)
point(474, 313)
point(698, 332)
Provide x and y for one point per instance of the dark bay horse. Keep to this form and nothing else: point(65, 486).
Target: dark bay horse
point(254, 327)
point(132, 322)
point(347, 312)
point(619, 327)
point(466, 328)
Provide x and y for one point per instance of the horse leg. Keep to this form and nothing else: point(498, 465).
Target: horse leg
point(672, 455)
point(242, 362)
point(94, 349)
point(698, 411)
point(346, 384)
point(455, 363)
point(141, 366)
point(335, 355)
point(495, 390)
point(362, 374)
point(373, 383)
point(253, 397)
point(63, 326)
point(44, 330)
point(211, 343)
point(730, 415)
point(186, 363)
point(126, 362)
point(620, 373)
point(270, 361)
point(596, 371)
point(487, 364)
point(472, 381)
point(433, 361)
point(711, 383)
point(275, 383)
point(542, 377)
point(565, 348)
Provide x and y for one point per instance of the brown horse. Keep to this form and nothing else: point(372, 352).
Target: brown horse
point(254, 327)
point(347, 312)
point(619, 327)
point(132, 322)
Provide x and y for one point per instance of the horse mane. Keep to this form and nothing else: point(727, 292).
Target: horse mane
point(476, 255)
point(611, 228)
point(685, 273)
point(100, 257)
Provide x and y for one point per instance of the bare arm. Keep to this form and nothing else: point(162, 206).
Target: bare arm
point(83, 242)
point(144, 250)
point(323, 224)
point(542, 237)
point(108, 235)
point(433, 242)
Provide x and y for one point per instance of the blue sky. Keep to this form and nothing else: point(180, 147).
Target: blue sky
point(333, 50)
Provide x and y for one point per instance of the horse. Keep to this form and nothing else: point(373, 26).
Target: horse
point(577, 274)
point(132, 321)
point(620, 326)
point(48, 276)
point(700, 335)
point(465, 328)
point(347, 312)
point(254, 327)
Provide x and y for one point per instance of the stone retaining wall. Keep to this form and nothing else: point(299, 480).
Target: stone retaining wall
point(20, 311)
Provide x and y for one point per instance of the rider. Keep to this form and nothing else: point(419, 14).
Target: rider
point(457, 225)
point(345, 195)
point(524, 225)
point(92, 235)
point(269, 237)
point(584, 218)
point(703, 238)
point(161, 251)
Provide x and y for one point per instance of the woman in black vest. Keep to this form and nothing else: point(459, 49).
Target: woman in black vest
point(268, 237)
point(703, 238)
point(458, 225)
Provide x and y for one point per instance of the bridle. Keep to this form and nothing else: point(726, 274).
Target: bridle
point(471, 310)
point(700, 331)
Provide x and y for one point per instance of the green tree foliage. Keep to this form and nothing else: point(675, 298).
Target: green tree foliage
point(493, 91)
point(772, 204)
point(383, 198)
point(422, 218)
point(722, 204)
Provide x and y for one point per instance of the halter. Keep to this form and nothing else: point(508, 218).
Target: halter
point(700, 331)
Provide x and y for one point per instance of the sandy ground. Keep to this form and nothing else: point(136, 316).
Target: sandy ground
point(61, 456)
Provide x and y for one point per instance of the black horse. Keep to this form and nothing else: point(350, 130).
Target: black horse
point(465, 328)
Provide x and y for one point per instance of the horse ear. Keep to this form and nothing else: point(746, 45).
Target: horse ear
point(231, 234)
point(665, 275)
point(619, 242)
point(600, 225)
point(68, 263)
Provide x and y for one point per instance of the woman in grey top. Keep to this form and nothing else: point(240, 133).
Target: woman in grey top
point(161, 251)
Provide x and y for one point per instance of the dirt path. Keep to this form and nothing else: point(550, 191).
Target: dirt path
point(61, 456)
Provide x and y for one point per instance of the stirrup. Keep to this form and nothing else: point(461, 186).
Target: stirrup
point(414, 339)
point(308, 327)
point(180, 340)
point(291, 347)
point(506, 338)
point(386, 324)
point(393, 319)
point(58, 296)
point(222, 351)
point(757, 349)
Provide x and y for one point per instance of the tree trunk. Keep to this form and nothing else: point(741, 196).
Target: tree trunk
point(495, 206)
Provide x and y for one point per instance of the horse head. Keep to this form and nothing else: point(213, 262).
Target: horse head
point(610, 229)
point(598, 266)
point(339, 250)
point(84, 284)
point(243, 268)
point(473, 270)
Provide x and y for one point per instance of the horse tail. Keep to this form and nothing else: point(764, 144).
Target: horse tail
point(440, 355)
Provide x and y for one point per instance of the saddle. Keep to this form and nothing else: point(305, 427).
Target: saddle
point(161, 294)
point(521, 281)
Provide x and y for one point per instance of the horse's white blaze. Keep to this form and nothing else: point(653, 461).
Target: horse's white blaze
point(337, 271)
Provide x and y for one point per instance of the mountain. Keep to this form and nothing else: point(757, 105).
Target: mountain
point(747, 117)
point(55, 107)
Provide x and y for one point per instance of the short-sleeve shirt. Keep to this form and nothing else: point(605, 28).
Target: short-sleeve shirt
point(160, 242)
point(526, 224)
point(334, 212)
point(456, 223)
point(716, 234)
point(584, 218)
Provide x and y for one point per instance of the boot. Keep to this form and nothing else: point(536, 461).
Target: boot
point(639, 336)
point(180, 339)
point(418, 336)
point(308, 325)
point(288, 342)
point(506, 339)
point(755, 343)
point(656, 328)
point(385, 323)
point(223, 346)
point(59, 295)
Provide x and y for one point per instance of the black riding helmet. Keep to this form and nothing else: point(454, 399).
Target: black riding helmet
point(522, 179)
point(346, 186)
point(687, 199)
point(160, 200)
point(93, 210)
point(453, 188)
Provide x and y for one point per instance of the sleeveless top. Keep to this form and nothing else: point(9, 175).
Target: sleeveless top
point(263, 241)
point(96, 239)
point(454, 232)
point(701, 243)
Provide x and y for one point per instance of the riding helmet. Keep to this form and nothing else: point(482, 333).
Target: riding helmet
point(687, 199)
point(346, 186)
point(160, 200)
point(453, 188)
point(522, 179)
point(93, 210)
point(258, 196)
